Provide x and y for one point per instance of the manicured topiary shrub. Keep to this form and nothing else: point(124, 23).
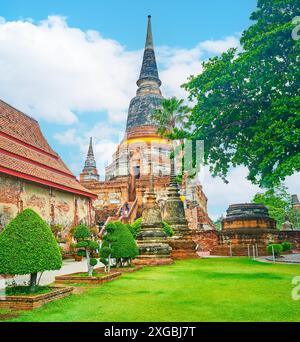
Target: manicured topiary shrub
point(27, 246)
point(276, 247)
point(123, 246)
point(86, 245)
point(287, 246)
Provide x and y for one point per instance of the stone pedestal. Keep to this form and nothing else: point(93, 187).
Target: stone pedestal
point(152, 240)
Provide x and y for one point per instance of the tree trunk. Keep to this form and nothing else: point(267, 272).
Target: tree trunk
point(109, 259)
point(90, 268)
point(33, 278)
point(172, 168)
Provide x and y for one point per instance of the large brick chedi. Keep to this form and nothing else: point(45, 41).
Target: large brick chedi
point(141, 153)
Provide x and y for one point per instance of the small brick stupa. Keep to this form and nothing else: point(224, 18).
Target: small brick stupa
point(152, 240)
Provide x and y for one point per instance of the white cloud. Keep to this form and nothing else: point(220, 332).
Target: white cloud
point(176, 66)
point(51, 70)
point(221, 195)
point(293, 183)
point(105, 140)
point(220, 46)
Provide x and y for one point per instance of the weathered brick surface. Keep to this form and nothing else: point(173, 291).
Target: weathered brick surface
point(32, 302)
point(122, 269)
point(153, 261)
point(75, 279)
point(54, 206)
point(219, 242)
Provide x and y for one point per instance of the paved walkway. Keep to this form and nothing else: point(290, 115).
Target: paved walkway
point(69, 266)
point(284, 259)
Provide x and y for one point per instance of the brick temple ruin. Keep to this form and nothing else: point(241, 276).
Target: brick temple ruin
point(246, 230)
point(33, 176)
point(141, 154)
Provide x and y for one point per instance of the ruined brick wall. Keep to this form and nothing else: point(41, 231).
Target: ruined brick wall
point(207, 241)
point(111, 194)
point(237, 242)
point(54, 206)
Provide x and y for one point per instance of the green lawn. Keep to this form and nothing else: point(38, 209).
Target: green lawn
point(234, 289)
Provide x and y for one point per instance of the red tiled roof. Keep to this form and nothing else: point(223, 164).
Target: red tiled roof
point(25, 153)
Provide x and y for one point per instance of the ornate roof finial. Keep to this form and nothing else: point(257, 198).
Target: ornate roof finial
point(149, 67)
point(149, 39)
point(91, 151)
point(90, 161)
point(89, 171)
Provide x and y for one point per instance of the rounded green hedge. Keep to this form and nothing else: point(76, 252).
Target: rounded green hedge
point(287, 246)
point(276, 247)
point(81, 232)
point(93, 262)
point(27, 245)
point(121, 240)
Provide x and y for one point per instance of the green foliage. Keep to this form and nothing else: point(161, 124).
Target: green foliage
point(172, 113)
point(246, 286)
point(278, 202)
point(26, 290)
point(93, 262)
point(82, 244)
point(276, 247)
point(56, 229)
point(27, 245)
point(105, 252)
point(123, 244)
point(168, 229)
point(248, 103)
point(81, 252)
point(287, 246)
point(86, 245)
point(218, 223)
point(135, 227)
point(104, 261)
point(93, 245)
point(82, 232)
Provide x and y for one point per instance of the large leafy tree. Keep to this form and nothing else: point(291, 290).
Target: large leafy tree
point(27, 246)
point(279, 204)
point(248, 103)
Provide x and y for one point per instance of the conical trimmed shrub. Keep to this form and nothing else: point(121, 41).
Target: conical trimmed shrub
point(28, 246)
point(124, 245)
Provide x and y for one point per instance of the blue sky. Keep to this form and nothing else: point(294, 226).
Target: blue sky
point(177, 23)
point(73, 66)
